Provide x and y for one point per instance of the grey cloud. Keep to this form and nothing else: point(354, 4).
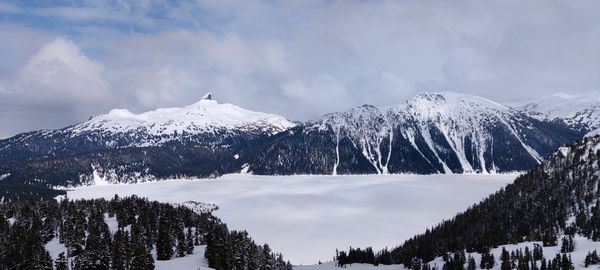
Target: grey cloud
point(302, 59)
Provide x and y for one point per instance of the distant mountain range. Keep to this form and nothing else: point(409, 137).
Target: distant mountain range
point(441, 132)
point(580, 111)
point(430, 133)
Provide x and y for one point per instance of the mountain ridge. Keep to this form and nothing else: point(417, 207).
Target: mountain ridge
point(205, 123)
point(203, 116)
point(580, 111)
point(439, 132)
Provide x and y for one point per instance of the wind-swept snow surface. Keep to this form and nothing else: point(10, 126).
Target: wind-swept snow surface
point(308, 217)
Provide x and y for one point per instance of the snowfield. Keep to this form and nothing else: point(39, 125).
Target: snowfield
point(307, 217)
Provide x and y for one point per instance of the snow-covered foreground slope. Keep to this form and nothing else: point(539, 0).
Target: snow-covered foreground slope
point(582, 247)
point(308, 217)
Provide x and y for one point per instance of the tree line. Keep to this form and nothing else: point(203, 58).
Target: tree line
point(143, 228)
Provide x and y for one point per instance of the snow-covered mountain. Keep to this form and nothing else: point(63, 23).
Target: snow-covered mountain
point(206, 123)
point(581, 111)
point(441, 132)
point(468, 124)
point(203, 117)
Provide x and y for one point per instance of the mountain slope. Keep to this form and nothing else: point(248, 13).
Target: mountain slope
point(558, 197)
point(429, 133)
point(203, 117)
point(205, 123)
point(121, 147)
point(581, 111)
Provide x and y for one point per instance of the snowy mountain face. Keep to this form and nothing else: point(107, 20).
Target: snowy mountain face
point(204, 117)
point(551, 205)
point(120, 146)
point(580, 111)
point(205, 123)
point(429, 133)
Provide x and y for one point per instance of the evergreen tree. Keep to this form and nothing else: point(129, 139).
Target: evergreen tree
point(543, 266)
point(181, 243)
point(44, 261)
point(550, 239)
point(197, 236)
point(472, 265)
point(592, 258)
point(189, 241)
point(61, 262)
point(538, 252)
point(533, 265)
point(487, 260)
point(567, 244)
point(267, 263)
point(416, 264)
point(120, 250)
point(342, 259)
point(164, 243)
point(506, 263)
point(141, 257)
point(566, 263)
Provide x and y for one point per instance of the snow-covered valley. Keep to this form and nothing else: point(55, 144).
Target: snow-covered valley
point(308, 217)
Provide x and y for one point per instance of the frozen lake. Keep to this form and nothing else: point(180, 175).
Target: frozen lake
point(308, 217)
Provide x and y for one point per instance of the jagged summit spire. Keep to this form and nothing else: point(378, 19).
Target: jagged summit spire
point(208, 96)
point(204, 101)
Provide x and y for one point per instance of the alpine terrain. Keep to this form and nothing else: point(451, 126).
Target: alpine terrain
point(580, 111)
point(439, 132)
point(557, 200)
point(430, 133)
point(121, 146)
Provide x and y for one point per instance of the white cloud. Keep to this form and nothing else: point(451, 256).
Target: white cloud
point(300, 59)
point(164, 86)
point(57, 80)
point(60, 72)
point(295, 89)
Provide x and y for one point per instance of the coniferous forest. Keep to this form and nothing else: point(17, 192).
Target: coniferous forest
point(146, 231)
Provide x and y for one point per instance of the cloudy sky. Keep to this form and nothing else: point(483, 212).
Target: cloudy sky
point(63, 61)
